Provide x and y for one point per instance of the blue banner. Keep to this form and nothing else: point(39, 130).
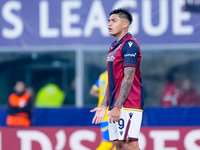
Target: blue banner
point(71, 116)
point(77, 22)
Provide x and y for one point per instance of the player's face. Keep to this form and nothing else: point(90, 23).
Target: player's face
point(115, 25)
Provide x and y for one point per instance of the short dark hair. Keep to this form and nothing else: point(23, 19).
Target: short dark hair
point(123, 13)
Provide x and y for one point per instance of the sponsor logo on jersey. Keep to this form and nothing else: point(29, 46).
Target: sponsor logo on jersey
point(110, 58)
point(131, 55)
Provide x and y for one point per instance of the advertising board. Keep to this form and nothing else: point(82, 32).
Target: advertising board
point(88, 138)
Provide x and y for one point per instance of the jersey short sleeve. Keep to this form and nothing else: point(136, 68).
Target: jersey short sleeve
point(96, 85)
point(130, 52)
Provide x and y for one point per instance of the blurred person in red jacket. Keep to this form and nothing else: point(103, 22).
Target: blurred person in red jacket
point(19, 106)
point(171, 92)
point(188, 95)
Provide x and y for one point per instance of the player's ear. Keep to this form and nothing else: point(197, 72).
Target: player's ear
point(126, 24)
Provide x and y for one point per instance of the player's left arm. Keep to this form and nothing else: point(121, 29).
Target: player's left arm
point(129, 73)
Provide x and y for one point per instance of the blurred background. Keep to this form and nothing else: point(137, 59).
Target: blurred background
point(65, 42)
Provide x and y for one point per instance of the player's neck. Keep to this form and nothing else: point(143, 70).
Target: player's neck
point(121, 35)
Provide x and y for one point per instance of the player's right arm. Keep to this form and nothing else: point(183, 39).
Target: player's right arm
point(94, 92)
point(101, 110)
point(105, 99)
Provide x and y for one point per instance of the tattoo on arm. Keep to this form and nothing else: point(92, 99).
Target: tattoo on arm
point(105, 99)
point(129, 73)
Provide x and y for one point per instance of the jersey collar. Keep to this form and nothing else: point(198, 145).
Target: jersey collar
point(116, 44)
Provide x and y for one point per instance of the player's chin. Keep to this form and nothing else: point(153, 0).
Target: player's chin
point(111, 33)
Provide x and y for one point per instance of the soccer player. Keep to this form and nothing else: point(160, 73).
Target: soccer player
point(98, 90)
point(124, 94)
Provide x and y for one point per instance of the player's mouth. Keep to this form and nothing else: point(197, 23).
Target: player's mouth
point(109, 29)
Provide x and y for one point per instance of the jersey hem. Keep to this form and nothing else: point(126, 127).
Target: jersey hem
point(133, 109)
point(129, 65)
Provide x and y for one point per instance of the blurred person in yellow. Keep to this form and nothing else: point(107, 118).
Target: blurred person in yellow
point(49, 96)
point(19, 107)
point(98, 90)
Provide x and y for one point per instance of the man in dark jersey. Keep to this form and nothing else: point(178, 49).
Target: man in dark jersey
point(124, 94)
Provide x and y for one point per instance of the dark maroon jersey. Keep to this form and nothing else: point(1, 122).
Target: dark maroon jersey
point(125, 53)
